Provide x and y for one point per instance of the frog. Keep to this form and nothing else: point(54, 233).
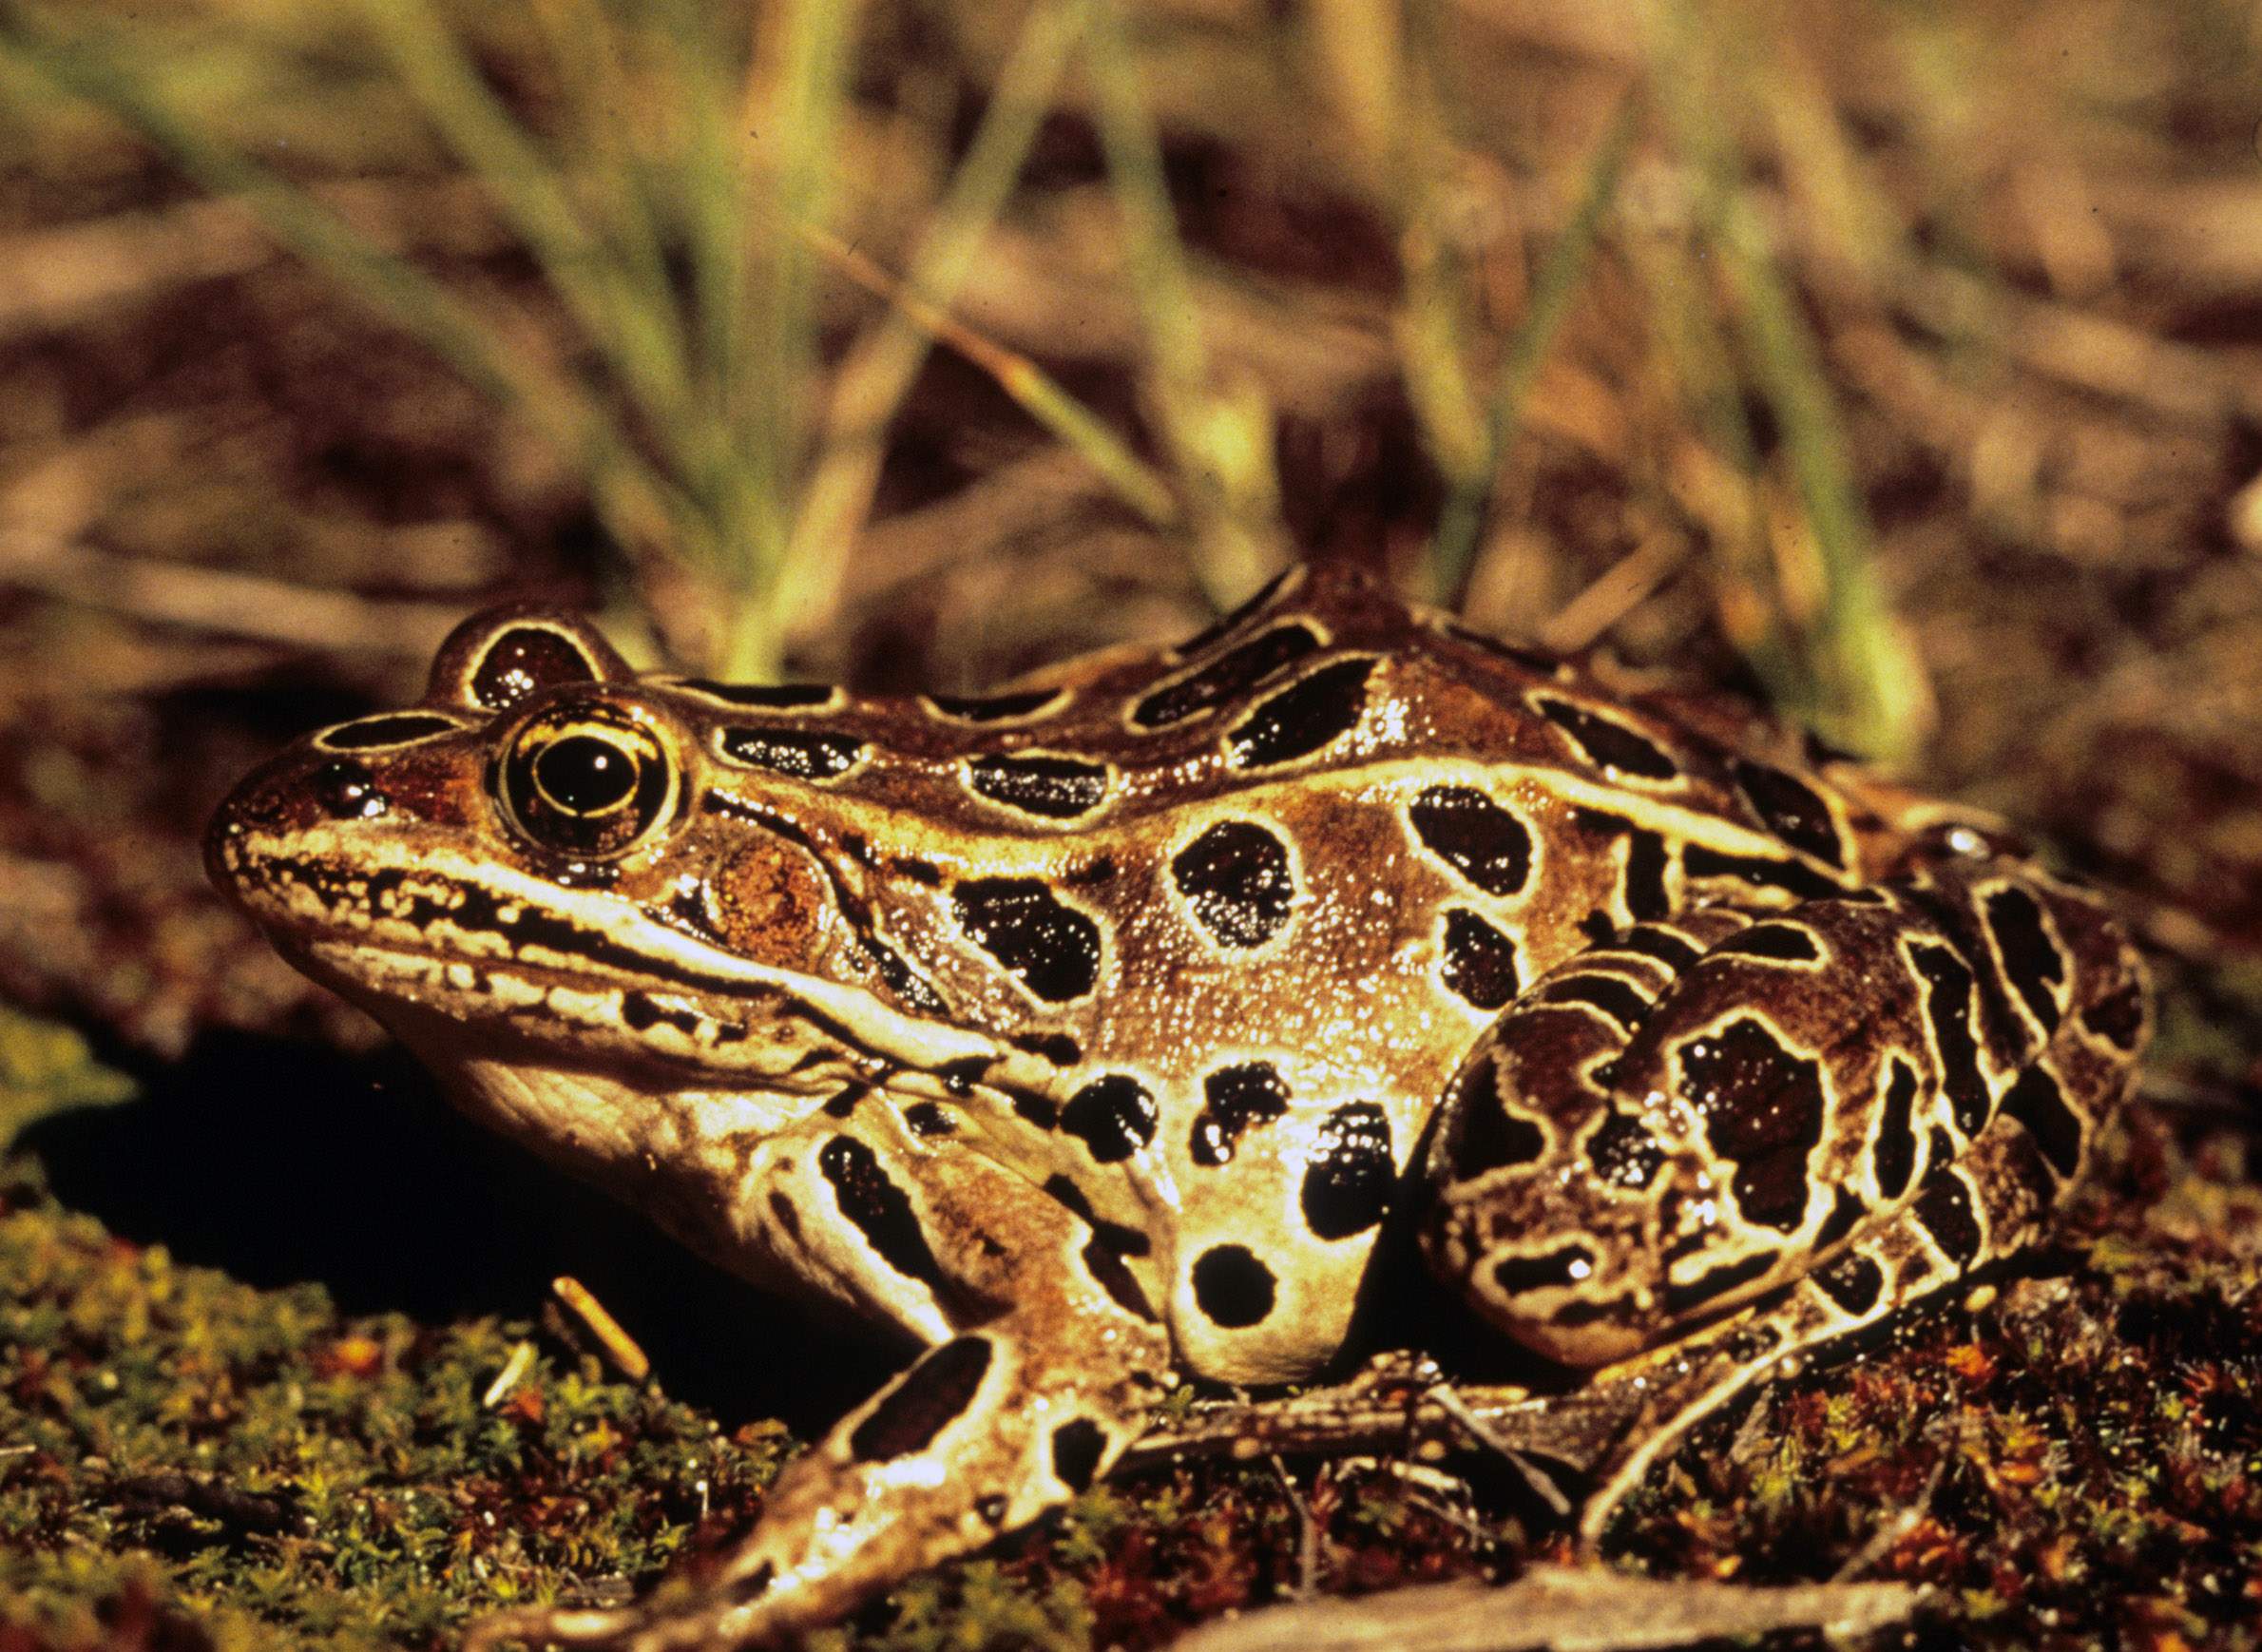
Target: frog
point(1095, 1033)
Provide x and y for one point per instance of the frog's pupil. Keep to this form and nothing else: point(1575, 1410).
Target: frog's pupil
point(585, 775)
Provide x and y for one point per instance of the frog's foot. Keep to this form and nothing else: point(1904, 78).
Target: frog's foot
point(1011, 1415)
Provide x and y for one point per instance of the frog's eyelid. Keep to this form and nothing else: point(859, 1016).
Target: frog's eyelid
point(498, 659)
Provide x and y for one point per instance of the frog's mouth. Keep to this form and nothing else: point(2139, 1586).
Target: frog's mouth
point(489, 960)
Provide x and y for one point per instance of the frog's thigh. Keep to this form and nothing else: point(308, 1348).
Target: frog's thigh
point(1046, 1374)
point(1704, 1110)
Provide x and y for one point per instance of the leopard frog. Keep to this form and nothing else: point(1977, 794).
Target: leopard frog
point(1093, 1034)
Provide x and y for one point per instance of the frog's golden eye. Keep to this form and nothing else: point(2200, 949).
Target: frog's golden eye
point(586, 779)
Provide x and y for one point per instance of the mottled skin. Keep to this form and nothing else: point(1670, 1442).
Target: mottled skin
point(1088, 1033)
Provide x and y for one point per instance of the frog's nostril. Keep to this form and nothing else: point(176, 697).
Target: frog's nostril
point(347, 791)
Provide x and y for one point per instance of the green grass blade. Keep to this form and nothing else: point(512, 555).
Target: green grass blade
point(1461, 523)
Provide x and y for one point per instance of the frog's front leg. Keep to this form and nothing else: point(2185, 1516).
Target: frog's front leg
point(1044, 1362)
point(1822, 1112)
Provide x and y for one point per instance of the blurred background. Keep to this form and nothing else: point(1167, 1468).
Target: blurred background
point(1898, 364)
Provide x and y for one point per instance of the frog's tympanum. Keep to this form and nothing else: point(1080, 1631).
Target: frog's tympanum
point(1093, 1034)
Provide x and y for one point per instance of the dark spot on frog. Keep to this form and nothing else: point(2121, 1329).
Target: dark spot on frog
point(920, 872)
point(788, 1217)
point(1597, 928)
point(1041, 1111)
point(1238, 1097)
point(1697, 860)
point(1791, 809)
point(642, 1012)
point(771, 696)
point(2118, 1017)
point(1717, 1282)
point(1480, 962)
point(901, 979)
point(1099, 869)
point(1235, 878)
point(1762, 1107)
point(1948, 1010)
point(525, 660)
point(960, 1076)
point(1896, 1137)
point(1056, 1047)
point(1232, 1287)
point(1474, 836)
point(1129, 1241)
point(397, 728)
point(1050, 948)
point(1076, 1450)
point(1853, 1281)
point(1613, 996)
point(1227, 623)
point(929, 1119)
point(2029, 960)
point(1554, 1269)
point(2037, 1103)
point(1226, 677)
point(1774, 943)
point(347, 791)
point(1113, 1116)
point(844, 1099)
point(1300, 719)
point(1347, 1186)
point(1606, 742)
point(1625, 1152)
point(923, 1402)
point(880, 1210)
point(1947, 1210)
point(992, 1506)
point(994, 707)
point(1663, 945)
point(797, 753)
point(1645, 861)
point(1107, 1266)
point(1056, 788)
point(1486, 1135)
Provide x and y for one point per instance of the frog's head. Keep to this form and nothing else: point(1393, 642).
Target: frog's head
point(546, 866)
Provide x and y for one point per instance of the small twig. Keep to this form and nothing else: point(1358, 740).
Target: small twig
point(514, 1368)
point(1892, 1532)
point(617, 1346)
point(1542, 1487)
point(1307, 1531)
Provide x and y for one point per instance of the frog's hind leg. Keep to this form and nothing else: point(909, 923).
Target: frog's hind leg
point(1046, 1361)
point(1826, 1110)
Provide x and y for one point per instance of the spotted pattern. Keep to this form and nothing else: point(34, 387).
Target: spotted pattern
point(1607, 743)
point(1552, 1271)
point(1646, 860)
point(1760, 872)
point(2038, 1102)
point(2118, 1017)
point(1854, 1282)
point(1713, 1283)
point(1486, 1135)
point(1227, 623)
point(1762, 1107)
point(1894, 1155)
point(1049, 945)
point(1114, 1117)
point(923, 1402)
point(1480, 962)
point(1347, 1186)
point(1625, 1152)
point(1235, 1099)
point(804, 754)
point(1226, 678)
point(1039, 783)
point(1474, 836)
point(1232, 1287)
point(2030, 960)
point(1077, 1447)
point(1948, 1010)
point(1947, 1210)
point(1303, 719)
point(1777, 943)
point(1235, 877)
point(881, 1211)
point(525, 660)
point(1791, 809)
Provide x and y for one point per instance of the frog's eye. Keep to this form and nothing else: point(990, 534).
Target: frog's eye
point(586, 779)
